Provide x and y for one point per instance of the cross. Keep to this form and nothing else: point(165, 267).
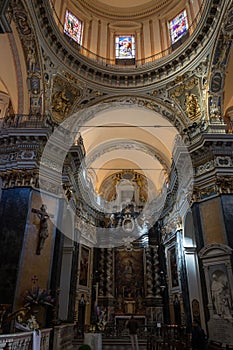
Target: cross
point(43, 230)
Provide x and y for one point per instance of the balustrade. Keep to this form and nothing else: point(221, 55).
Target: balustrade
point(24, 341)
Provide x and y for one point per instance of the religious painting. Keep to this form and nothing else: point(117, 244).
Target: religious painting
point(125, 47)
point(173, 267)
point(178, 26)
point(84, 266)
point(73, 27)
point(129, 279)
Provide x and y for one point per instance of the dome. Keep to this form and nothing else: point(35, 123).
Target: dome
point(155, 28)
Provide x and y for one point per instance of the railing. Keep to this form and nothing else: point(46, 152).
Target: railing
point(24, 341)
point(138, 62)
point(147, 331)
point(63, 337)
point(26, 121)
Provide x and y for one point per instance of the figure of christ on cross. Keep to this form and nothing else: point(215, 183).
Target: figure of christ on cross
point(43, 230)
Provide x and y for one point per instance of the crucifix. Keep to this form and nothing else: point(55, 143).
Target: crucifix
point(43, 230)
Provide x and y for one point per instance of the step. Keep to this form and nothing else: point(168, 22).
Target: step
point(114, 344)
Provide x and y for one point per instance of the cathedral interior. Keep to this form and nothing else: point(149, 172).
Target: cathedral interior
point(104, 214)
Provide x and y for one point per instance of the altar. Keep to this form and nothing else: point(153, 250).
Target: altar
point(121, 319)
point(94, 340)
point(129, 306)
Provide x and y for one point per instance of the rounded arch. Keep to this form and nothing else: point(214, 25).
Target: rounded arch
point(13, 61)
point(4, 103)
point(165, 109)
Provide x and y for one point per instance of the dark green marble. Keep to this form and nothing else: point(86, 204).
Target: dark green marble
point(13, 216)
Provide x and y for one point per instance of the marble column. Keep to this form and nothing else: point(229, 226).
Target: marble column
point(109, 272)
point(101, 273)
point(149, 279)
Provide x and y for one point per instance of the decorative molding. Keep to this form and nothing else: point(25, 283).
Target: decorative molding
point(214, 250)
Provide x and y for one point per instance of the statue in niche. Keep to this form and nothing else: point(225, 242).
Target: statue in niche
point(43, 229)
point(128, 270)
point(177, 310)
point(214, 113)
point(220, 295)
point(112, 221)
point(31, 59)
point(193, 109)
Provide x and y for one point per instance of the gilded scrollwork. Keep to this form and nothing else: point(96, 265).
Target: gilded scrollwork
point(204, 168)
point(13, 178)
point(224, 185)
point(192, 105)
point(63, 99)
point(191, 83)
point(208, 192)
point(61, 103)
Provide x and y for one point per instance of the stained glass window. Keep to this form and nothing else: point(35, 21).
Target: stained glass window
point(125, 47)
point(178, 26)
point(73, 27)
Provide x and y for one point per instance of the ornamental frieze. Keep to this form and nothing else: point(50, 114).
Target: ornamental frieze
point(207, 192)
point(51, 164)
point(204, 168)
point(223, 161)
point(223, 185)
point(19, 177)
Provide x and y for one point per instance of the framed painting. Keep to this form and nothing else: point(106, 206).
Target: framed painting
point(84, 266)
point(173, 268)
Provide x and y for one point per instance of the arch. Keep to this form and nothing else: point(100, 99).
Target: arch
point(110, 131)
point(12, 60)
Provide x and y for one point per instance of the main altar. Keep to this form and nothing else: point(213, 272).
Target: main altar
point(132, 286)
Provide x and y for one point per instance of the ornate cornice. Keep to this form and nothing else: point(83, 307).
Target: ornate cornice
point(19, 178)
